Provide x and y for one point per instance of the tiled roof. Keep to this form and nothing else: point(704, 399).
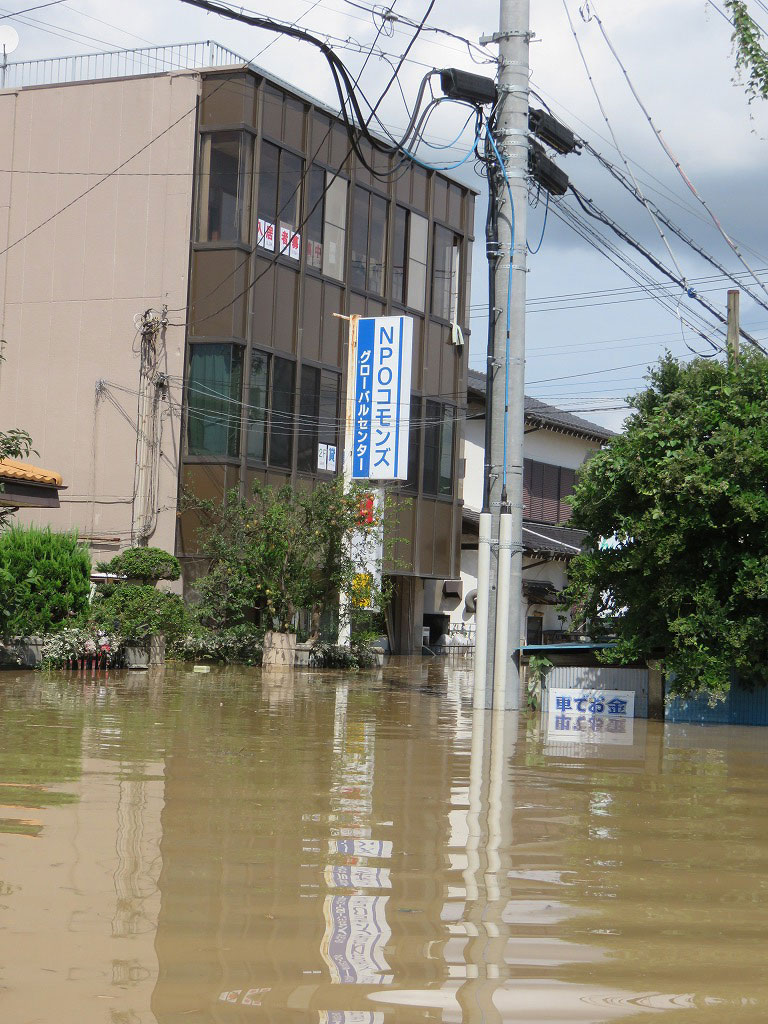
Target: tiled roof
point(11, 469)
point(540, 414)
point(539, 538)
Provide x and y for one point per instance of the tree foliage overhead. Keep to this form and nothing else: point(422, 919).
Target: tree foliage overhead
point(676, 508)
point(14, 444)
point(751, 58)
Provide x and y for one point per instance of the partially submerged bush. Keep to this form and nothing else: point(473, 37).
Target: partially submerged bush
point(81, 646)
point(138, 612)
point(242, 645)
point(358, 655)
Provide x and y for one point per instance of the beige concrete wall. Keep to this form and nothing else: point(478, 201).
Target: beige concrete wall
point(70, 290)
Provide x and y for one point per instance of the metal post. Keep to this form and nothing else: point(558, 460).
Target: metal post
point(511, 137)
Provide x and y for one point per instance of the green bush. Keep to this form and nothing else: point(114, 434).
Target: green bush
point(44, 580)
point(148, 565)
point(137, 612)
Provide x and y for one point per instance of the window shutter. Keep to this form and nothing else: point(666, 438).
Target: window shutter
point(537, 491)
point(527, 464)
point(550, 501)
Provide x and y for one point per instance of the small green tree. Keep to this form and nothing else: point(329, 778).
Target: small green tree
point(44, 580)
point(280, 552)
point(676, 562)
point(138, 612)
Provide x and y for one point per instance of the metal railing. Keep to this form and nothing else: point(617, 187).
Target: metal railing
point(149, 60)
point(460, 642)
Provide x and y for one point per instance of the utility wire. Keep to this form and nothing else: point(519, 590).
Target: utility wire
point(616, 143)
point(675, 162)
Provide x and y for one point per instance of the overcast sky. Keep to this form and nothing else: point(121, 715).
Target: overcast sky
point(591, 333)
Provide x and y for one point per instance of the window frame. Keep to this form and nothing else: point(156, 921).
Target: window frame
point(189, 410)
point(383, 197)
point(268, 460)
point(277, 253)
point(456, 274)
point(434, 426)
point(333, 173)
point(304, 426)
point(245, 188)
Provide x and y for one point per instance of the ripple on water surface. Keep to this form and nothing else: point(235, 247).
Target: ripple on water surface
point(363, 849)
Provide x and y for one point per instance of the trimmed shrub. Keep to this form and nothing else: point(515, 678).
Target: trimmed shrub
point(136, 613)
point(44, 580)
point(148, 565)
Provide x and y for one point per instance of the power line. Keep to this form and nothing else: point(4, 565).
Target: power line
point(664, 145)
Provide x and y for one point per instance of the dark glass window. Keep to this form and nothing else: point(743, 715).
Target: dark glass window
point(318, 414)
point(414, 445)
point(358, 270)
point(256, 444)
point(438, 448)
point(409, 258)
point(399, 254)
point(214, 400)
point(445, 274)
point(279, 203)
point(225, 187)
point(314, 225)
point(281, 417)
point(369, 241)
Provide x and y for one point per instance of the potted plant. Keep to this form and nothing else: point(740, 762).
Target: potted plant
point(142, 566)
point(144, 616)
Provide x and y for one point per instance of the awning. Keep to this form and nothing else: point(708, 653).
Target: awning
point(23, 485)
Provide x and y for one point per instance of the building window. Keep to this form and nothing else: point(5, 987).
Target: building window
point(446, 274)
point(214, 400)
point(318, 415)
point(279, 203)
point(326, 227)
point(281, 415)
point(369, 241)
point(545, 490)
point(414, 445)
point(270, 410)
point(438, 448)
point(409, 258)
point(224, 196)
point(534, 631)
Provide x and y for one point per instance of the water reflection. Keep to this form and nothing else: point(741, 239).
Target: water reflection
point(355, 850)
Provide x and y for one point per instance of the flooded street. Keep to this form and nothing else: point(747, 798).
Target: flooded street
point(178, 848)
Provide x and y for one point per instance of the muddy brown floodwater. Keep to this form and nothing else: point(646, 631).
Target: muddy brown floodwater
point(178, 848)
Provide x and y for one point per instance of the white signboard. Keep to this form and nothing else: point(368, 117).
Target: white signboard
point(610, 704)
point(331, 458)
point(382, 398)
point(322, 456)
point(265, 234)
point(356, 932)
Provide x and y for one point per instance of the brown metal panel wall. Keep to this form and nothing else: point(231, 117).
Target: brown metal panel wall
point(418, 353)
point(334, 329)
point(400, 535)
point(432, 359)
point(425, 536)
point(320, 138)
point(443, 536)
point(218, 299)
point(208, 481)
point(263, 304)
point(312, 318)
point(272, 113)
point(228, 100)
point(440, 199)
point(284, 334)
point(294, 122)
point(455, 214)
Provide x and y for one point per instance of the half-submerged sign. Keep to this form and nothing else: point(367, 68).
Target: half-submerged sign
point(382, 398)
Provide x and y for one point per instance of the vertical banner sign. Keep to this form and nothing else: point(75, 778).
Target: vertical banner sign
point(382, 398)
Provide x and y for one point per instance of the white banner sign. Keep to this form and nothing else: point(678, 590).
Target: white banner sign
point(382, 398)
point(611, 704)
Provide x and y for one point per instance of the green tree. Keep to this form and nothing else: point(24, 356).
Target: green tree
point(750, 57)
point(676, 562)
point(282, 551)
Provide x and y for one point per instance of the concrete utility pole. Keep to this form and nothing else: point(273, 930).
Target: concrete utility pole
point(511, 136)
point(733, 326)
